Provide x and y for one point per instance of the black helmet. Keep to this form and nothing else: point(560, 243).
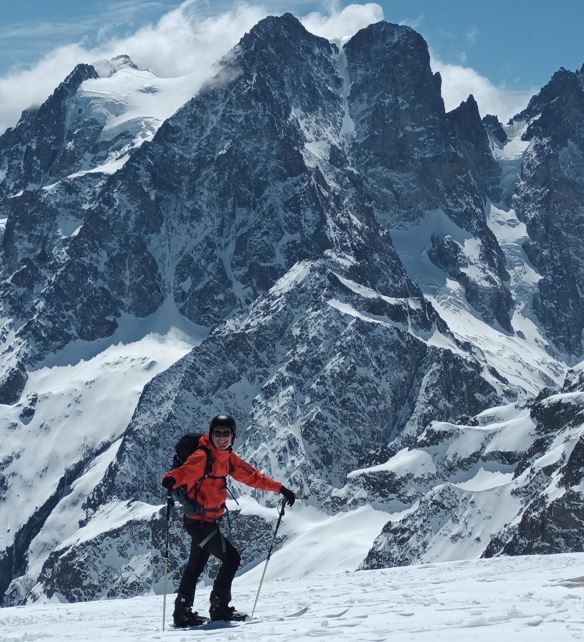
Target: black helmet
point(222, 420)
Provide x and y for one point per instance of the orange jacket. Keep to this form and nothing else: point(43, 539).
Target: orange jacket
point(211, 492)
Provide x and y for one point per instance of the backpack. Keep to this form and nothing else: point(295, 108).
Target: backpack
point(186, 446)
point(183, 449)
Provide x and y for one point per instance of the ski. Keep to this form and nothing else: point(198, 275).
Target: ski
point(302, 611)
point(339, 614)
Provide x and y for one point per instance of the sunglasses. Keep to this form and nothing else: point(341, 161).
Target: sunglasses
point(222, 433)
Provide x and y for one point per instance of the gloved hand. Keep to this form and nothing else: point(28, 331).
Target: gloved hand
point(168, 482)
point(289, 495)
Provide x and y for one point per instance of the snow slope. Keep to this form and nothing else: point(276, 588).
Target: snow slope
point(524, 358)
point(522, 598)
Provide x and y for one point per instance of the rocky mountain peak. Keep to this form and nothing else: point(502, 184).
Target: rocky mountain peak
point(470, 137)
point(79, 74)
point(383, 34)
point(564, 91)
point(554, 167)
point(390, 64)
point(55, 102)
point(469, 108)
point(494, 129)
point(279, 33)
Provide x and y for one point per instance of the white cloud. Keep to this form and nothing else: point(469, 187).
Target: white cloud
point(182, 43)
point(185, 43)
point(459, 81)
point(344, 23)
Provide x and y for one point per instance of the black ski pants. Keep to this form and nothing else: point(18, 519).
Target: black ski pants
point(206, 540)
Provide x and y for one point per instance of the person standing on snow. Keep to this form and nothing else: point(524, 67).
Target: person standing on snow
point(208, 493)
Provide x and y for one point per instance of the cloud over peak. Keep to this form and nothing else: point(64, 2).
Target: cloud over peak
point(187, 43)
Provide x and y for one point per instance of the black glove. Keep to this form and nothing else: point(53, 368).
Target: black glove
point(289, 495)
point(168, 482)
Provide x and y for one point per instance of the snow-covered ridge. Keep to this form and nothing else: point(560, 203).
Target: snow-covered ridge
point(127, 102)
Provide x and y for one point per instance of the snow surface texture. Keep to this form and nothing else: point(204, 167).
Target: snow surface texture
point(523, 599)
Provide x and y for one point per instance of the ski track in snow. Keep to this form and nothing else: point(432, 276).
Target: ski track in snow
point(520, 598)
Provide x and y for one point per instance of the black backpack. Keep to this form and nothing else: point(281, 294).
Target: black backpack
point(186, 446)
point(183, 449)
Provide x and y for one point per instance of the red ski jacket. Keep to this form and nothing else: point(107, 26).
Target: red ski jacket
point(211, 492)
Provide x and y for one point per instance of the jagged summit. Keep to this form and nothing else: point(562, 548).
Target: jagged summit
point(279, 25)
point(470, 138)
point(64, 90)
point(469, 105)
point(564, 85)
point(278, 36)
point(107, 68)
point(79, 74)
point(382, 34)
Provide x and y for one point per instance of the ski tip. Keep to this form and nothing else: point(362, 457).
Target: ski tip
point(302, 611)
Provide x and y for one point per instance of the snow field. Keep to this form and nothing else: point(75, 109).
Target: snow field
point(520, 599)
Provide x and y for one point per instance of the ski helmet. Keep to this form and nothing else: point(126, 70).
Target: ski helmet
point(222, 420)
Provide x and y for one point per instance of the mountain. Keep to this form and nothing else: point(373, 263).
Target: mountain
point(313, 244)
point(549, 201)
point(508, 482)
point(53, 164)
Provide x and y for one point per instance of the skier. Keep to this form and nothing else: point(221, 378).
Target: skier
point(205, 495)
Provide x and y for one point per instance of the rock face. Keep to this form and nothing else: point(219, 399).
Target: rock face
point(494, 129)
point(298, 362)
point(470, 136)
point(416, 159)
point(41, 147)
point(549, 202)
point(318, 212)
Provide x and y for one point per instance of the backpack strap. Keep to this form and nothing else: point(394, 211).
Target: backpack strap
point(208, 463)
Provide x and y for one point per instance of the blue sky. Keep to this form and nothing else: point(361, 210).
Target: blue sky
point(519, 43)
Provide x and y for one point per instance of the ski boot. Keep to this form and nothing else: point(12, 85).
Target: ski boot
point(220, 611)
point(183, 616)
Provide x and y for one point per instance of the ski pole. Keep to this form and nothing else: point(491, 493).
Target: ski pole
point(169, 505)
point(283, 505)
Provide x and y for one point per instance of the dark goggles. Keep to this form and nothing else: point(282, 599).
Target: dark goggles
point(222, 432)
